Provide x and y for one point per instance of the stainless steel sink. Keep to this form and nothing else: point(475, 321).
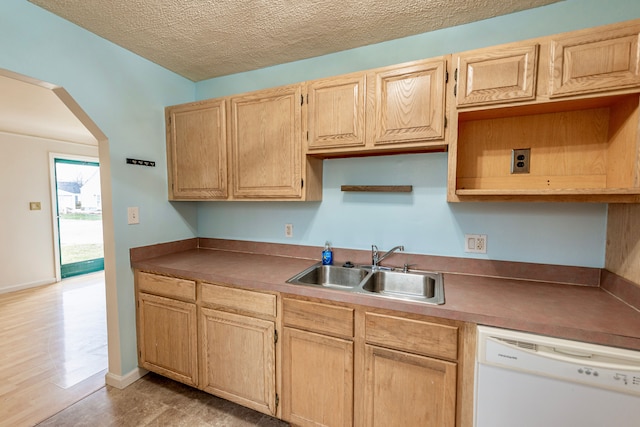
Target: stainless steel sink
point(426, 287)
point(413, 286)
point(331, 276)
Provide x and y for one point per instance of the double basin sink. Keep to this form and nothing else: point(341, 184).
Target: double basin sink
point(425, 287)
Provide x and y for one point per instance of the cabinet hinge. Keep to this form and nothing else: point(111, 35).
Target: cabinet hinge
point(277, 400)
point(445, 121)
point(455, 75)
point(455, 90)
point(301, 99)
point(302, 183)
point(446, 77)
point(275, 336)
point(307, 135)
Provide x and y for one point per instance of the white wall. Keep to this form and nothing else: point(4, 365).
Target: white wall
point(27, 249)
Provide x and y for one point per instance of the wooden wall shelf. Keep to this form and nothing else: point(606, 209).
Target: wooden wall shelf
point(378, 188)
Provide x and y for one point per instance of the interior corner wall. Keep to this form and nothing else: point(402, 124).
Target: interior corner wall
point(27, 250)
point(623, 241)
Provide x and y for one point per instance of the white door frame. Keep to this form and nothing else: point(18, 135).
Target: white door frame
point(54, 202)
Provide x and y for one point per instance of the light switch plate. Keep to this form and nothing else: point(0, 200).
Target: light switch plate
point(133, 215)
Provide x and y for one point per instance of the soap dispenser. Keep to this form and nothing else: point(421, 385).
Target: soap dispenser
point(327, 254)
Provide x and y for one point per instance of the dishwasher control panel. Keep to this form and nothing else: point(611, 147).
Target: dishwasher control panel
point(598, 366)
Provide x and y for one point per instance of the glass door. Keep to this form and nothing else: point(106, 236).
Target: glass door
point(79, 213)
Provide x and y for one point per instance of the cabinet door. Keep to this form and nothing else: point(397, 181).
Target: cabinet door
point(197, 150)
point(266, 143)
point(593, 61)
point(336, 112)
point(238, 359)
point(167, 338)
point(497, 75)
point(317, 379)
point(403, 389)
point(409, 103)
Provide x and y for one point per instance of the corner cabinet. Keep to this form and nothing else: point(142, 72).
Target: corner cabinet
point(572, 100)
point(197, 150)
point(223, 341)
point(166, 320)
point(399, 108)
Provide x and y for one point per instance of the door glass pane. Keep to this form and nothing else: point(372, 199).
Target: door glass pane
point(79, 217)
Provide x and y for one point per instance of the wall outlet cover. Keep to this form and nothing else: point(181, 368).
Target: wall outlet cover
point(475, 243)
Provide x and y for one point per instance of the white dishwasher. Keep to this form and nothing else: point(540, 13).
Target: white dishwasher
point(526, 380)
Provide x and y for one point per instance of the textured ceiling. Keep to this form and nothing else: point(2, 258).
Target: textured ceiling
point(201, 39)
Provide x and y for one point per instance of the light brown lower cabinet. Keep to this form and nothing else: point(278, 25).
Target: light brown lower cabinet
point(317, 379)
point(238, 359)
point(167, 326)
point(167, 337)
point(339, 365)
point(317, 364)
point(403, 389)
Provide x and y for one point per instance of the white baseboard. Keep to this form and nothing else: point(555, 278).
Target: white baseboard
point(21, 286)
point(123, 381)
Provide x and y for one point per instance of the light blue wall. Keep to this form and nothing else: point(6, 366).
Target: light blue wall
point(125, 96)
point(571, 234)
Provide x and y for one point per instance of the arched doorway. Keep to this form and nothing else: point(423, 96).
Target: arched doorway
point(33, 111)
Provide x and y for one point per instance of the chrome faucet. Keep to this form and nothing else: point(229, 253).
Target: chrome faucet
point(376, 258)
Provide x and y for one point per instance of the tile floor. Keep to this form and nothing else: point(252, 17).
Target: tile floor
point(157, 401)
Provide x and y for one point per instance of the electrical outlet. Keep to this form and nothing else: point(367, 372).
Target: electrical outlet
point(288, 230)
point(475, 243)
point(520, 160)
point(133, 216)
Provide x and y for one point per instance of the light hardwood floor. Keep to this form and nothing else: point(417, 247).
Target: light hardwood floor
point(53, 348)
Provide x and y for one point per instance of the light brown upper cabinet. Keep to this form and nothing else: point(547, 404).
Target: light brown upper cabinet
point(336, 112)
point(595, 61)
point(399, 108)
point(496, 75)
point(267, 158)
point(580, 123)
point(197, 150)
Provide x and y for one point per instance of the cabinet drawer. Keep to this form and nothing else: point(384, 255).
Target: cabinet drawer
point(167, 286)
point(323, 318)
point(239, 300)
point(415, 336)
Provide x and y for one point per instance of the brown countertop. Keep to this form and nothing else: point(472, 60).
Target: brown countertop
point(571, 311)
